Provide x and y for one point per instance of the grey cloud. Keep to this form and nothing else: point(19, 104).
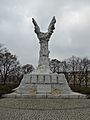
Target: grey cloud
point(71, 36)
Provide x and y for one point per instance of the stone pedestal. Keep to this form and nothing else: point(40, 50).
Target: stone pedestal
point(44, 86)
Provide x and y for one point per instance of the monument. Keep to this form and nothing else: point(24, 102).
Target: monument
point(43, 65)
point(42, 83)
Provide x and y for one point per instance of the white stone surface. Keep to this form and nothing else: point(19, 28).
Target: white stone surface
point(40, 78)
point(54, 79)
point(33, 79)
point(47, 79)
point(44, 84)
point(43, 64)
point(42, 88)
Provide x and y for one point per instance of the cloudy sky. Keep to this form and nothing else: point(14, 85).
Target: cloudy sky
point(71, 36)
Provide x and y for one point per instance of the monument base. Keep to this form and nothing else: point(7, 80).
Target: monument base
point(44, 86)
point(46, 96)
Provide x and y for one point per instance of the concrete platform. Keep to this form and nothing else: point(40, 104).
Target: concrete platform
point(73, 95)
point(44, 109)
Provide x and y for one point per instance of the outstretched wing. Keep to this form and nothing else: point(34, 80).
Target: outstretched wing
point(51, 26)
point(37, 29)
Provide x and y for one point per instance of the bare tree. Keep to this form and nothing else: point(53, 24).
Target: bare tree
point(8, 65)
point(27, 68)
point(72, 64)
point(80, 71)
point(65, 69)
point(55, 66)
point(86, 68)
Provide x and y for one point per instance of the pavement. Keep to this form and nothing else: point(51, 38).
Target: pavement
point(44, 109)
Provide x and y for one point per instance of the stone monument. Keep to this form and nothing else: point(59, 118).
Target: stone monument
point(43, 65)
point(42, 83)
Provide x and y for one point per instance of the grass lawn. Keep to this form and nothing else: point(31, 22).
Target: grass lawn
point(82, 89)
point(7, 88)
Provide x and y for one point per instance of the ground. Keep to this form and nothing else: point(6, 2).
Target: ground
point(44, 109)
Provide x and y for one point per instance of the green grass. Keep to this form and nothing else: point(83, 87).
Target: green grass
point(7, 88)
point(82, 89)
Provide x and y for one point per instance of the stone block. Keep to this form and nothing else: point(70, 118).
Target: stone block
point(33, 79)
point(60, 79)
point(53, 79)
point(40, 79)
point(43, 88)
point(47, 78)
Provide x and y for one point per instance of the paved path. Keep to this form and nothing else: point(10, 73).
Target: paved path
point(44, 109)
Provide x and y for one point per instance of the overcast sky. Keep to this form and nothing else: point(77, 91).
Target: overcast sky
point(72, 29)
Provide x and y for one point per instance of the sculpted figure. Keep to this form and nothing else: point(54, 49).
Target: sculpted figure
point(50, 29)
point(43, 40)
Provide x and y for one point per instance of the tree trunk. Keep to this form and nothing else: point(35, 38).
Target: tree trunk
point(5, 78)
point(80, 81)
point(74, 79)
point(86, 77)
